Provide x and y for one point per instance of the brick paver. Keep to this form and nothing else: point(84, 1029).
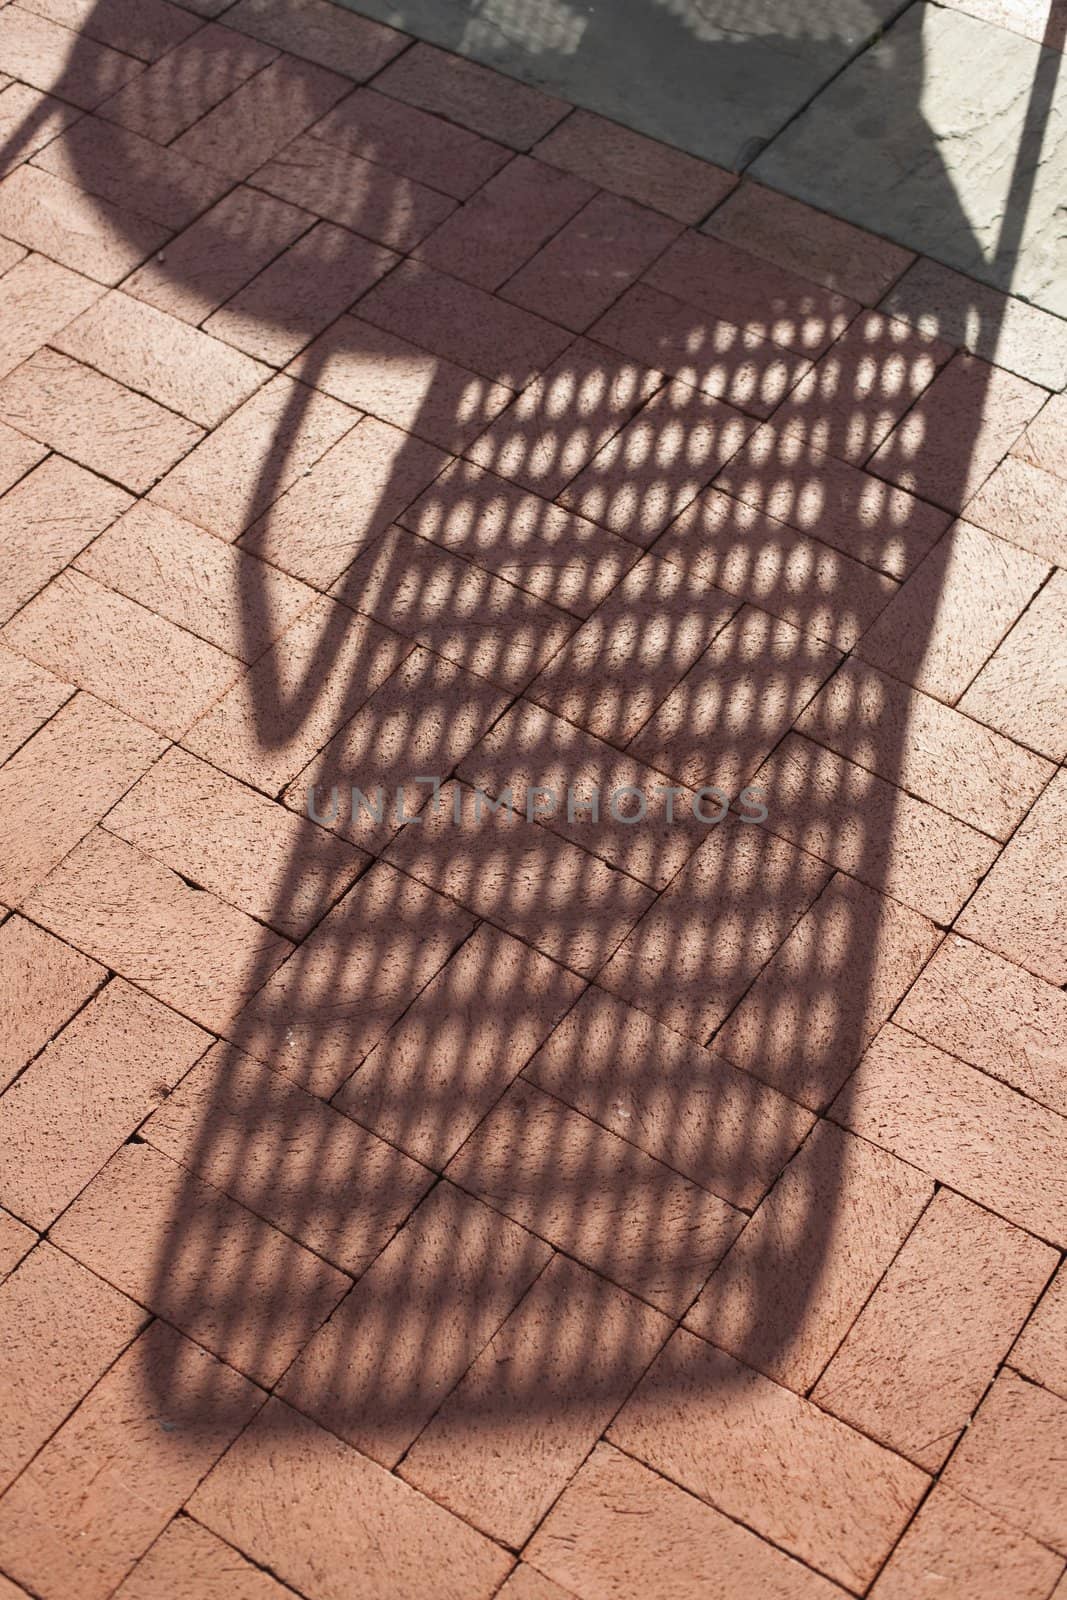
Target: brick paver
point(1015, 910)
point(100, 423)
point(640, 480)
point(131, 172)
point(647, 1229)
point(992, 1014)
point(348, 44)
point(841, 812)
point(340, 1191)
point(617, 1523)
point(944, 624)
point(51, 1300)
point(696, 1113)
point(736, 547)
point(567, 903)
point(37, 300)
point(750, 1303)
point(1024, 504)
point(879, 362)
point(376, 1380)
point(89, 235)
point(773, 302)
point(530, 752)
point(1001, 1463)
point(786, 474)
point(955, 1549)
point(820, 247)
point(463, 92)
point(804, 1032)
point(190, 1563)
point(428, 1103)
point(464, 324)
point(261, 448)
point(30, 695)
point(353, 193)
point(703, 350)
point(317, 528)
point(37, 51)
point(90, 1088)
point(28, 120)
point(699, 947)
point(541, 1367)
point(17, 455)
point(9, 254)
point(365, 963)
point(360, 1518)
point(450, 1146)
point(1042, 444)
point(627, 163)
point(275, 315)
point(1022, 688)
point(109, 752)
point(625, 660)
point(16, 1241)
point(411, 142)
point(44, 983)
point(186, 947)
point(989, 403)
point(501, 226)
point(145, 31)
point(467, 615)
point(260, 118)
point(192, 579)
point(955, 763)
point(60, 507)
point(296, 1288)
point(963, 1127)
point(771, 1459)
point(705, 733)
point(596, 392)
point(220, 252)
point(1026, 340)
point(161, 357)
point(565, 280)
point(186, 83)
point(120, 651)
point(278, 714)
point(231, 840)
point(393, 379)
point(1039, 1351)
point(916, 1361)
point(69, 1522)
point(423, 719)
point(533, 544)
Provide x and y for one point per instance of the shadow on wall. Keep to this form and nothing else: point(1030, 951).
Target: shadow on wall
point(569, 604)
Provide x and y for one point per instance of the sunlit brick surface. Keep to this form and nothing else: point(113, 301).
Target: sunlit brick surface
point(586, 1200)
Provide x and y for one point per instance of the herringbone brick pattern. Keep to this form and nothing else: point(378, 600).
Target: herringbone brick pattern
point(634, 1191)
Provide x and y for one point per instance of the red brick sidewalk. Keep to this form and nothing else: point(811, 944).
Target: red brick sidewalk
point(528, 1203)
